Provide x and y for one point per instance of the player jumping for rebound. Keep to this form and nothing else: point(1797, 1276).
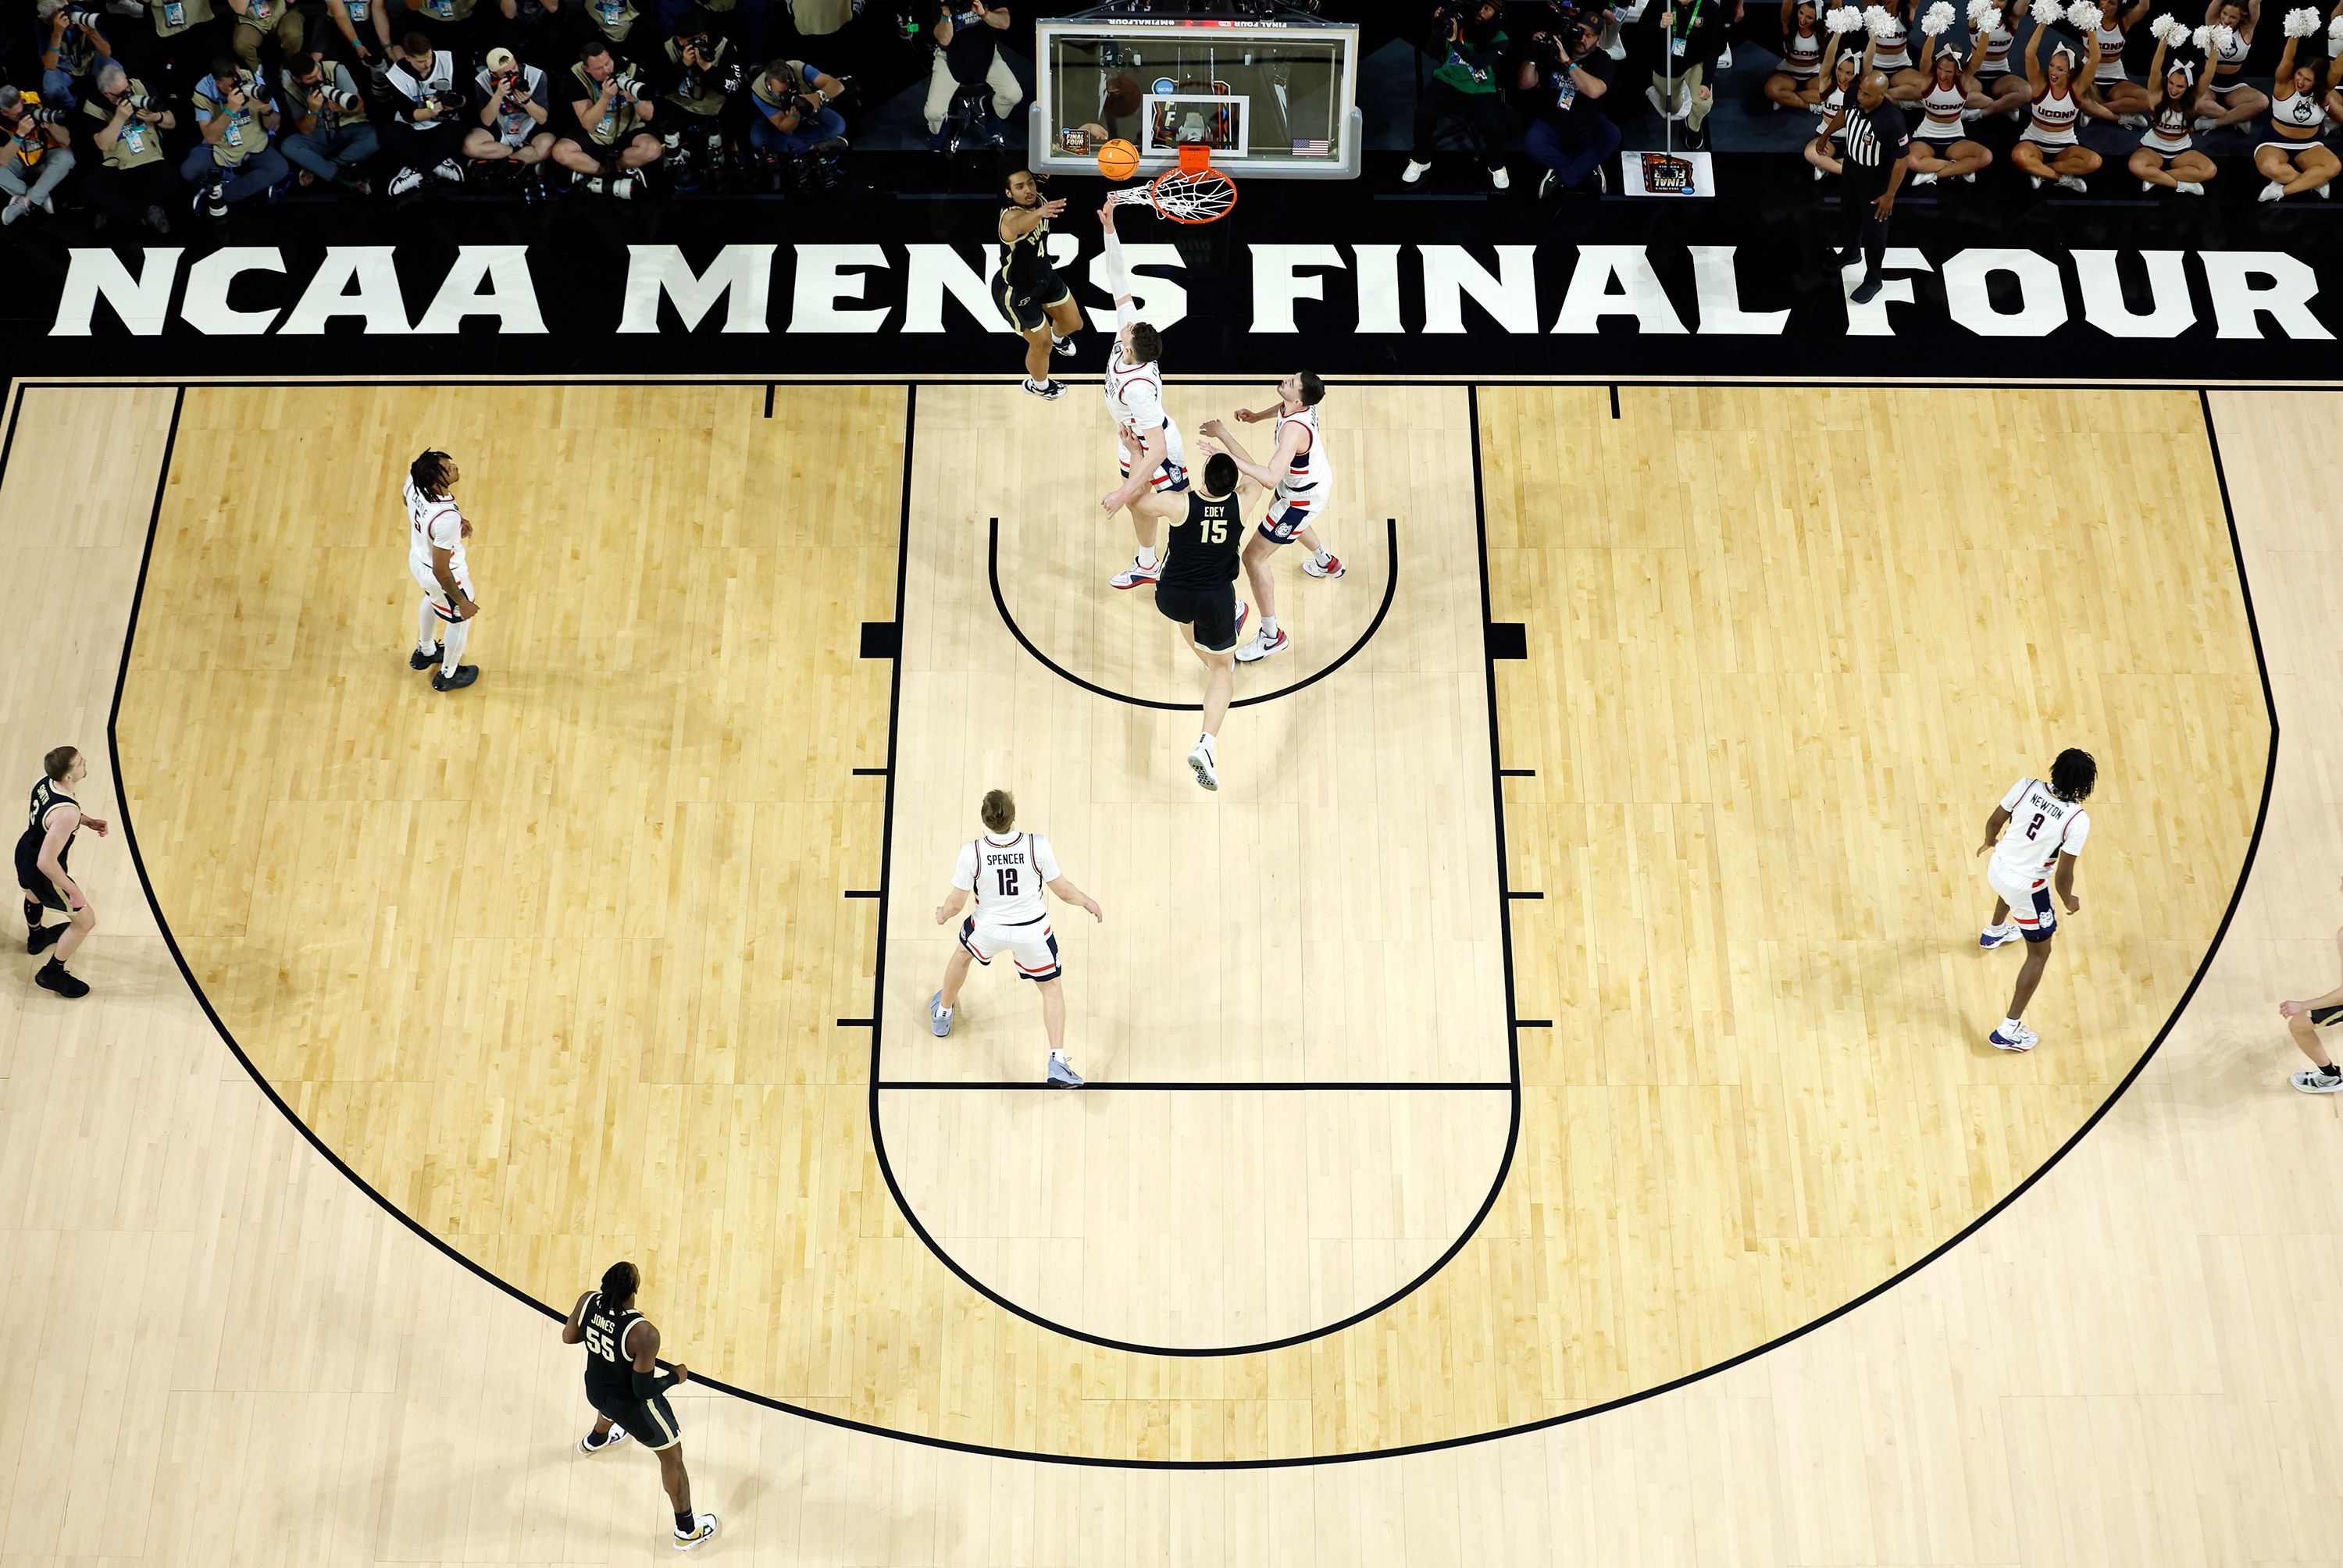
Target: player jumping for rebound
point(1148, 449)
point(436, 532)
point(1302, 487)
point(1006, 873)
point(2046, 827)
point(1032, 296)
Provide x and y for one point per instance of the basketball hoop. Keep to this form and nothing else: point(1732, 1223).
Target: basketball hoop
point(1195, 192)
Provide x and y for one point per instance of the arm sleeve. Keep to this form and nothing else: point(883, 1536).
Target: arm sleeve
point(2016, 793)
point(2077, 829)
point(964, 873)
point(649, 1384)
point(1045, 859)
point(1119, 282)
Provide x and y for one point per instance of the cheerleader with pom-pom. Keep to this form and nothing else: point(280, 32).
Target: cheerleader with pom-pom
point(1798, 84)
point(2228, 36)
point(1941, 148)
point(2047, 148)
point(2111, 94)
point(1890, 22)
point(1999, 75)
point(2166, 155)
point(2293, 159)
point(1842, 70)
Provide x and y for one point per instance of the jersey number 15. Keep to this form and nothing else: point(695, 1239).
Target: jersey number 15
point(1212, 529)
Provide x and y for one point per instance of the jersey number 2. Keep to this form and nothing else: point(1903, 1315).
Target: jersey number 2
point(1008, 876)
point(2034, 826)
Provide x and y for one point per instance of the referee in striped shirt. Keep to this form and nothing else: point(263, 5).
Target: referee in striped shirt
point(1876, 144)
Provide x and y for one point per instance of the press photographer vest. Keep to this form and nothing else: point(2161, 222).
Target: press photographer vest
point(139, 144)
point(709, 98)
point(173, 17)
point(613, 127)
point(445, 10)
point(244, 134)
point(614, 19)
point(330, 116)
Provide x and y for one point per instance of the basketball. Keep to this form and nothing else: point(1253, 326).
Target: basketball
point(1118, 160)
point(1121, 96)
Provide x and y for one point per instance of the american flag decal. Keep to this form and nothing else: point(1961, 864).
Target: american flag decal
point(1315, 147)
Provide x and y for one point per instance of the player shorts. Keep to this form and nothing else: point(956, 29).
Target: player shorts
point(2028, 898)
point(1030, 943)
point(438, 595)
point(1212, 611)
point(1289, 514)
point(649, 1421)
point(1028, 309)
point(2325, 1017)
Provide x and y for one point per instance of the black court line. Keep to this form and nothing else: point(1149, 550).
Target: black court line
point(861, 892)
point(1391, 588)
point(769, 399)
point(1516, 772)
point(857, 1024)
point(1093, 1461)
point(870, 772)
point(1220, 1086)
point(1615, 400)
point(1517, 894)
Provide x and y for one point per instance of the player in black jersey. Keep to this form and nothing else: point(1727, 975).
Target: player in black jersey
point(629, 1391)
point(1031, 295)
point(1199, 566)
point(43, 850)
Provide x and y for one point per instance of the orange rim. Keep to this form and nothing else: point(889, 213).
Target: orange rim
point(1177, 192)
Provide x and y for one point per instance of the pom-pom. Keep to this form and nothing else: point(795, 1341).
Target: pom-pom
point(2083, 16)
point(2202, 38)
point(1938, 19)
point(2301, 24)
point(2335, 33)
point(1879, 21)
point(1985, 16)
point(1843, 19)
point(2225, 38)
point(2168, 30)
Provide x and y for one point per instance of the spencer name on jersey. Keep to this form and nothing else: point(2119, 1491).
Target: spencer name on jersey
point(2041, 828)
point(1006, 875)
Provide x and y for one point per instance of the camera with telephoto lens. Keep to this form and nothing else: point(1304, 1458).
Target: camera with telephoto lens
point(449, 98)
point(142, 103)
point(80, 17)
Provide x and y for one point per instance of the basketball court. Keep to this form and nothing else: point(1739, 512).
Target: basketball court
point(1568, 994)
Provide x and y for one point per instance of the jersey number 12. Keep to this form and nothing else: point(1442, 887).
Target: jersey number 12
point(1008, 876)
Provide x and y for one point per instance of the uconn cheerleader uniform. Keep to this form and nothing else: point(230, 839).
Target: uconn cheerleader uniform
point(2228, 61)
point(1893, 52)
point(2052, 125)
point(2301, 112)
point(2111, 49)
point(1941, 114)
point(2168, 127)
point(1801, 56)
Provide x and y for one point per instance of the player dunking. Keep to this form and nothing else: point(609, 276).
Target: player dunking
point(1302, 486)
point(2047, 826)
point(1006, 873)
point(1149, 451)
point(629, 1393)
point(1032, 296)
point(436, 532)
point(1200, 562)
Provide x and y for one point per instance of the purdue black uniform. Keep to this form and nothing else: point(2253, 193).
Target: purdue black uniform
point(610, 1376)
point(38, 889)
point(1200, 562)
point(1027, 284)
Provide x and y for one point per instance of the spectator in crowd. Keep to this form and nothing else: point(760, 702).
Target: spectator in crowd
point(36, 159)
point(364, 29)
point(2227, 100)
point(1469, 39)
point(255, 20)
point(1572, 136)
point(2291, 157)
point(516, 112)
point(71, 46)
point(610, 142)
point(967, 34)
point(1798, 84)
point(234, 162)
point(118, 135)
point(790, 105)
point(1688, 38)
point(699, 75)
point(2168, 154)
point(330, 136)
point(425, 128)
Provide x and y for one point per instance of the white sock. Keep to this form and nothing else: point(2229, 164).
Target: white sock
point(1206, 740)
point(1326, 556)
point(1269, 626)
point(458, 633)
point(2010, 1026)
point(1147, 557)
point(426, 627)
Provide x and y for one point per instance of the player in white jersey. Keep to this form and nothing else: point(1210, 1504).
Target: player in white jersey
point(2047, 826)
point(436, 532)
point(1148, 449)
point(2304, 1019)
point(1005, 871)
point(1301, 482)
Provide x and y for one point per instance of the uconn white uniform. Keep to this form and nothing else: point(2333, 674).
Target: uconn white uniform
point(1996, 52)
point(1894, 50)
point(1940, 113)
point(2168, 125)
point(2111, 49)
point(1134, 397)
point(1802, 55)
point(2228, 60)
point(2300, 112)
point(2041, 828)
point(1308, 488)
point(1006, 874)
point(2054, 117)
point(433, 520)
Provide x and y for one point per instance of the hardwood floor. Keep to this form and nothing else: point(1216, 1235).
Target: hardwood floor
point(236, 1357)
